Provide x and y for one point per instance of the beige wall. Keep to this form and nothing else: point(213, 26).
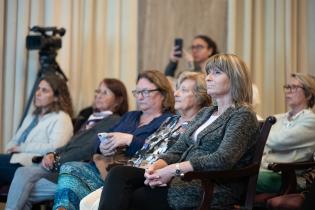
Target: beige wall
point(163, 20)
point(1, 69)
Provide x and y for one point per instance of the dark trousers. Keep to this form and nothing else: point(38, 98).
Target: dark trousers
point(309, 203)
point(124, 190)
point(7, 169)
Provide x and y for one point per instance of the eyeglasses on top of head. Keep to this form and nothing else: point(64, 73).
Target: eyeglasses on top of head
point(292, 88)
point(143, 93)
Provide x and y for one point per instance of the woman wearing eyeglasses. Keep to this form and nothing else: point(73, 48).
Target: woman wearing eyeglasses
point(155, 103)
point(222, 136)
point(190, 97)
point(292, 138)
point(201, 49)
point(38, 181)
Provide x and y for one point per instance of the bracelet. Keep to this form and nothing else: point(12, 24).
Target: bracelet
point(56, 164)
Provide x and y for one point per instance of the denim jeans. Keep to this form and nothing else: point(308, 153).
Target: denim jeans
point(31, 184)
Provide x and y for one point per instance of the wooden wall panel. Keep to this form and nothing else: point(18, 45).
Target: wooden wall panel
point(161, 21)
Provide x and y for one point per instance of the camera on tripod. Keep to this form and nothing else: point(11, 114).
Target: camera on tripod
point(45, 40)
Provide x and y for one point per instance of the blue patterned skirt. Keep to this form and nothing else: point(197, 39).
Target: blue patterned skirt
point(76, 180)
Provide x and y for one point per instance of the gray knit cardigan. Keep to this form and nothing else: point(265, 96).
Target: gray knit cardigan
point(226, 143)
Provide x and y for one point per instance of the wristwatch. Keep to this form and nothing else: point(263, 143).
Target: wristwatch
point(178, 171)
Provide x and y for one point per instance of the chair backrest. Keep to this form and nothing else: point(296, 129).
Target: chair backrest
point(262, 138)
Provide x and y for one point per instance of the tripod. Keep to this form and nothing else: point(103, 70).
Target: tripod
point(48, 63)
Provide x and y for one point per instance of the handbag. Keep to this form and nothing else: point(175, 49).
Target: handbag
point(105, 163)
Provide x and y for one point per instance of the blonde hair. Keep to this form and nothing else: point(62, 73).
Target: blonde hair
point(163, 85)
point(238, 73)
point(308, 83)
point(200, 87)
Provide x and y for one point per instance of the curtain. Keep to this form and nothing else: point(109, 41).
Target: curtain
point(275, 38)
point(100, 41)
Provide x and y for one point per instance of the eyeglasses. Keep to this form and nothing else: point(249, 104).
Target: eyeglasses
point(98, 91)
point(292, 88)
point(143, 93)
point(197, 47)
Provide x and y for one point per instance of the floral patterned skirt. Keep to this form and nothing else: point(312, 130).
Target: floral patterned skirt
point(76, 180)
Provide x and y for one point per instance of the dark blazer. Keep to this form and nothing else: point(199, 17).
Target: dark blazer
point(226, 143)
point(81, 146)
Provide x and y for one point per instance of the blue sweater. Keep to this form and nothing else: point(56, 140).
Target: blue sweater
point(129, 124)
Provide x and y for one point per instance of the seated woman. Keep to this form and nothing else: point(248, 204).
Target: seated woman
point(47, 128)
point(222, 136)
point(291, 139)
point(190, 97)
point(155, 103)
point(110, 98)
point(110, 102)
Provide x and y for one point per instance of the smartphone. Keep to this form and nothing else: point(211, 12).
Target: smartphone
point(102, 136)
point(178, 43)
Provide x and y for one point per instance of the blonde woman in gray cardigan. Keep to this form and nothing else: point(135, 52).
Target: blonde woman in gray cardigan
point(221, 137)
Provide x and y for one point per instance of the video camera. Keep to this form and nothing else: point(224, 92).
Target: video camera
point(48, 42)
point(45, 40)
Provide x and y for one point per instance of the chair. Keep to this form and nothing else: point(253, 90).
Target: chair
point(288, 198)
point(249, 173)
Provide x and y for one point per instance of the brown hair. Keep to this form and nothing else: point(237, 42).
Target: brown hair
point(211, 44)
point(120, 92)
point(237, 72)
point(163, 85)
point(60, 89)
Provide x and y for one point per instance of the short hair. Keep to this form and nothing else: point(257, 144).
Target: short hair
point(238, 73)
point(163, 85)
point(200, 87)
point(60, 91)
point(211, 44)
point(120, 92)
point(308, 83)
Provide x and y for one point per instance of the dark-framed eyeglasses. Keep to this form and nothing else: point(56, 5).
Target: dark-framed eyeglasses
point(292, 88)
point(143, 93)
point(197, 47)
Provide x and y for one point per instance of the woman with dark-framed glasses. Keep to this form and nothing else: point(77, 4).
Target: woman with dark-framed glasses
point(291, 139)
point(222, 136)
point(190, 97)
point(155, 103)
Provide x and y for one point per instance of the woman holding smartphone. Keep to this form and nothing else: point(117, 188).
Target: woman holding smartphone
point(202, 48)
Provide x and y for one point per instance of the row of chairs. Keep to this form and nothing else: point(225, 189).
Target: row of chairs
point(249, 174)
